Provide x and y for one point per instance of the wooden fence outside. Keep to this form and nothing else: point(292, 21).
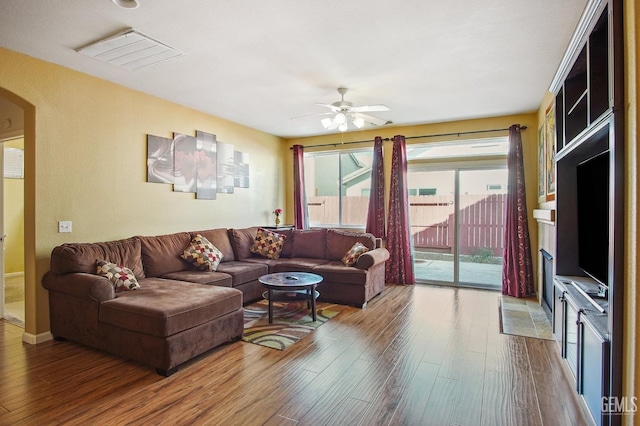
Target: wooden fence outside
point(431, 216)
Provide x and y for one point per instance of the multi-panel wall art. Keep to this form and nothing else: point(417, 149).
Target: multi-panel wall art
point(201, 165)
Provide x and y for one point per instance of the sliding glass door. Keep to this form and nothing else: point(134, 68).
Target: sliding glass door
point(432, 212)
point(457, 204)
point(481, 226)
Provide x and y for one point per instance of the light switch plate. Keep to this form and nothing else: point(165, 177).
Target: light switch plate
point(64, 226)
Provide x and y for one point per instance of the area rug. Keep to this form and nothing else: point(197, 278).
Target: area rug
point(524, 317)
point(291, 322)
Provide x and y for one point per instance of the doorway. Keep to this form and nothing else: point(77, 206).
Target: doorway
point(457, 198)
point(12, 279)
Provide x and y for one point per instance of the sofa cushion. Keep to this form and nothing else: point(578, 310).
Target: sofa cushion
point(351, 256)
point(155, 310)
point(339, 242)
point(242, 240)
point(81, 257)
point(120, 276)
point(298, 264)
point(200, 277)
point(161, 254)
point(287, 247)
point(267, 244)
point(310, 243)
point(243, 272)
point(336, 272)
point(203, 255)
point(220, 238)
point(270, 263)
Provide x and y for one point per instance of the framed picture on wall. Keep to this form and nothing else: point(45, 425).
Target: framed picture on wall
point(542, 183)
point(550, 150)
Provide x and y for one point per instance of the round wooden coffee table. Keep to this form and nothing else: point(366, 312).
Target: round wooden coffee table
point(291, 286)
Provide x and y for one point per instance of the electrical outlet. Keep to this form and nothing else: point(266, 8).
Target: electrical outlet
point(64, 226)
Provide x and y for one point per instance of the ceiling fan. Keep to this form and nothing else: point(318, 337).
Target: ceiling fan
point(343, 113)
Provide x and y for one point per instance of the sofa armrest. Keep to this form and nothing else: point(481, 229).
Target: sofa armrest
point(372, 258)
point(81, 285)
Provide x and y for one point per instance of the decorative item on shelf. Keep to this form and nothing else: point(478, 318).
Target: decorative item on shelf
point(277, 212)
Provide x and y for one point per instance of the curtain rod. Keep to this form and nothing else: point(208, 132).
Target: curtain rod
point(417, 137)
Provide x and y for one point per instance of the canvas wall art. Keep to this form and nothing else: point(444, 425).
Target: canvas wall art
point(184, 163)
point(241, 170)
point(206, 153)
point(197, 164)
point(159, 159)
point(226, 168)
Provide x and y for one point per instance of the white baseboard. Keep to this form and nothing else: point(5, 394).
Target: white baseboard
point(34, 339)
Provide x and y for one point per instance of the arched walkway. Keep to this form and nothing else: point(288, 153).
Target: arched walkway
point(32, 293)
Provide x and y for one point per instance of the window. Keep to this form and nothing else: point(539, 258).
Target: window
point(422, 191)
point(337, 186)
point(13, 163)
point(496, 187)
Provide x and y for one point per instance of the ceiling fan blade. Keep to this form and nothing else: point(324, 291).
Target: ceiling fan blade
point(313, 115)
point(371, 119)
point(332, 107)
point(370, 108)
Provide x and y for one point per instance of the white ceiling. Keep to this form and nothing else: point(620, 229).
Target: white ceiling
point(260, 63)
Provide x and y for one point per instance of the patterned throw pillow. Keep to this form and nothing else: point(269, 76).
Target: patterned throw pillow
point(268, 244)
point(351, 257)
point(121, 277)
point(202, 254)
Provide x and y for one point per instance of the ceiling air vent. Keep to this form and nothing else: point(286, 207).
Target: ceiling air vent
point(130, 49)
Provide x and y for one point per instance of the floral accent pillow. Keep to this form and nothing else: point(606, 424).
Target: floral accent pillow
point(202, 254)
point(120, 276)
point(268, 244)
point(351, 257)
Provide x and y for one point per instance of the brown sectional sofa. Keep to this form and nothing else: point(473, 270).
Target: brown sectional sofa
point(180, 312)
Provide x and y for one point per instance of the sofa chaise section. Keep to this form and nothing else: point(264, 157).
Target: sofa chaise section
point(163, 324)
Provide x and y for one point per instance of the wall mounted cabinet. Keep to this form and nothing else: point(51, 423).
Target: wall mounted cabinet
point(587, 307)
point(585, 94)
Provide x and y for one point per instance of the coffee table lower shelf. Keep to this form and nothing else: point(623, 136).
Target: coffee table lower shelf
point(291, 296)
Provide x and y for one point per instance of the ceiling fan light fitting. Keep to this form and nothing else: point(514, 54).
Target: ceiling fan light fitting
point(127, 4)
point(326, 122)
point(340, 118)
point(358, 122)
point(343, 127)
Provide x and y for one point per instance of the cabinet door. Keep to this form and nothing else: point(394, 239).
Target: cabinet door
point(571, 340)
point(593, 369)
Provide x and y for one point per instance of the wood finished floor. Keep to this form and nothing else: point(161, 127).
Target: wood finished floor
point(418, 355)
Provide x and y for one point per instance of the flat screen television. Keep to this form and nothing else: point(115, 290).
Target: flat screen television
point(593, 217)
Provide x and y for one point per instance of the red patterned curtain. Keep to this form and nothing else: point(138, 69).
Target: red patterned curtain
point(300, 212)
point(375, 214)
point(399, 267)
point(517, 266)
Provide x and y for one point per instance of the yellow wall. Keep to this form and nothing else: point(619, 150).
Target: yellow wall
point(529, 143)
point(85, 161)
point(631, 357)
point(14, 219)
